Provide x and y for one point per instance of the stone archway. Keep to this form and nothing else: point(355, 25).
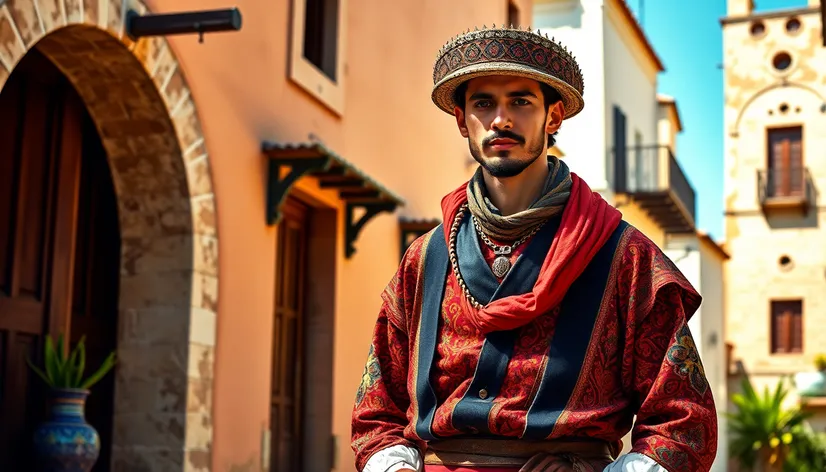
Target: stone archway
point(734, 130)
point(137, 95)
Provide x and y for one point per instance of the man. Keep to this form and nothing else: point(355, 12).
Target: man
point(528, 330)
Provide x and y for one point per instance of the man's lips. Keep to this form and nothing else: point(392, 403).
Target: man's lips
point(503, 143)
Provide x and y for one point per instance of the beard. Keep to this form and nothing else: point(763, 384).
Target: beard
point(505, 165)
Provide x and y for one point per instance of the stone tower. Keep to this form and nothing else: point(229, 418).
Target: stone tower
point(775, 170)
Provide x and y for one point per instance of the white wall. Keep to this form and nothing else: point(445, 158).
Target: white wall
point(714, 353)
point(577, 24)
point(703, 267)
point(630, 87)
point(666, 129)
point(614, 74)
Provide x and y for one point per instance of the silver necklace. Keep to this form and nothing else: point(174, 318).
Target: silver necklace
point(454, 258)
point(502, 263)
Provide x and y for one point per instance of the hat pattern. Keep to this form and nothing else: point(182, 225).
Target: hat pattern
point(509, 45)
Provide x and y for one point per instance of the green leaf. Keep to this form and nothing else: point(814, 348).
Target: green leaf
point(81, 363)
point(38, 371)
point(61, 349)
point(62, 360)
point(760, 422)
point(104, 368)
point(50, 361)
point(70, 370)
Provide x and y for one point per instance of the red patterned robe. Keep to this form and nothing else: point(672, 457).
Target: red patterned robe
point(637, 356)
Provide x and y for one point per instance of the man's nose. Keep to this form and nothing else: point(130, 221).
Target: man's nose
point(502, 120)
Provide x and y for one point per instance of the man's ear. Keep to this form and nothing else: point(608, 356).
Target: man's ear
point(556, 113)
point(460, 121)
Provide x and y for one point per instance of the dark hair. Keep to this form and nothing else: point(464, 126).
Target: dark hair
point(549, 94)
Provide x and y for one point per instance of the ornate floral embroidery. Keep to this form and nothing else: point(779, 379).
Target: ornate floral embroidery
point(672, 458)
point(358, 444)
point(634, 365)
point(695, 438)
point(686, 360)
point(372, 372)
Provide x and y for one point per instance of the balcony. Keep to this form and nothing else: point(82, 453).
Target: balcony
point(785, 188)
point(651, 176)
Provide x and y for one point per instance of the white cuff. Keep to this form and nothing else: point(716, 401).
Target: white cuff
point(634, 462)
point(394, 458)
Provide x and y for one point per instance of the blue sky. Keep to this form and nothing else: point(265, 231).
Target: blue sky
point(688, 38)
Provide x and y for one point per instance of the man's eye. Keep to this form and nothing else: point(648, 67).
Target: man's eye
point(521, 102)
point(483, 104)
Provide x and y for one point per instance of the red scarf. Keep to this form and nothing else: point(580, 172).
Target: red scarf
point(587, 223)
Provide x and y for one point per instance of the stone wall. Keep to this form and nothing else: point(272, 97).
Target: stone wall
point(148, 123)
point(758, 96)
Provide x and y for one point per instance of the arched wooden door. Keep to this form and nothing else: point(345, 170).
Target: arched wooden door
point(59, 249)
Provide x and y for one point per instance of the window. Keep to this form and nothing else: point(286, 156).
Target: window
point(513, 14)
point(793, 25)
point(786, 326)
point(316, 49)
point(758, 29)
point(782, 61)
point(785, 162)
point(620, 152)
point(321, 35)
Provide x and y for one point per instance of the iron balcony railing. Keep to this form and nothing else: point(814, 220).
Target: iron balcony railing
point(785, 184)
point(652, 175)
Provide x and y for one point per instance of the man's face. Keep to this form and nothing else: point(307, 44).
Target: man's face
point(506, 123)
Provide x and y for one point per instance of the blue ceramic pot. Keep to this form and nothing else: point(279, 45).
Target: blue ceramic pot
point(66, 442)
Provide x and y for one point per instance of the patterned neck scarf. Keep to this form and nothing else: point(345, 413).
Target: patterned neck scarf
point(551, 202)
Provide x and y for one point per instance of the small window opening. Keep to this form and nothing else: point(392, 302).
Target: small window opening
point(782, 61)
point(758, 29)
point(321, 35)
point(793, 25)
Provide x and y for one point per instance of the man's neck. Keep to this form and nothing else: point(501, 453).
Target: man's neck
point(514, 194)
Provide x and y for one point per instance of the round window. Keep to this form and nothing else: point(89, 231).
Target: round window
point(793, 25)
point(758, 29)
point(782, 61)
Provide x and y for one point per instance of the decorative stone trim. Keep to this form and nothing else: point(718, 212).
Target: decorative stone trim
point(146, 116)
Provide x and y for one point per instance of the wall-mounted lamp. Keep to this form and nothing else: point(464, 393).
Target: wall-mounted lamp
point(200, 22)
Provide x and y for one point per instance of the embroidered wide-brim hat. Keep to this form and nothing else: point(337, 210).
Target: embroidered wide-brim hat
point(507, 51)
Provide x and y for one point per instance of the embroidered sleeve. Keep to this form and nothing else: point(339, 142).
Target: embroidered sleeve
point(676, 422)
point(379, 414)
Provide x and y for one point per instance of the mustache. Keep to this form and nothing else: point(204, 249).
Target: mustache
point(504, 134)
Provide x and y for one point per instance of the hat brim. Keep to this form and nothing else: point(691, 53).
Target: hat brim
point(443, 90)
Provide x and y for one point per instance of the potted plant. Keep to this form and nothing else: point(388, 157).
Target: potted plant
point(65, 442)
point(812, 384)
point(762, 431)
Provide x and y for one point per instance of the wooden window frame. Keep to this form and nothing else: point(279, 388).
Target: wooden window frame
point(619, 144)
point(774, 347)
point(305, 74)
point(769, 154)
